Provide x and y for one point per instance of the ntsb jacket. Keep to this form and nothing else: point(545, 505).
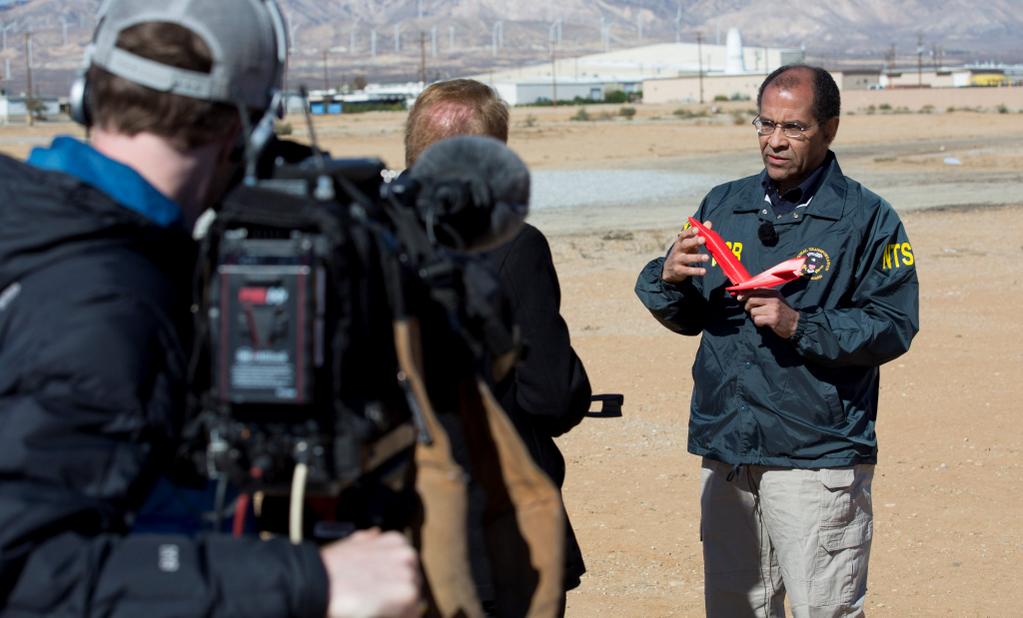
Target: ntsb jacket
point(810, 401)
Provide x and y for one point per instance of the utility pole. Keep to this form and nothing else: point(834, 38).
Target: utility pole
point(699, 55)
point(326, 72)
point(422, 57)
point(29, 99)
point(919, 60)
point(678, 24)
point(554, 72)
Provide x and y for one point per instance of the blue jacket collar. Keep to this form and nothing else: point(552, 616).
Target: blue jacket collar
point(828, 201)
point(120, 182)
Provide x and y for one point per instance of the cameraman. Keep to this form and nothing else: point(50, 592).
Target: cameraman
point(95, 268)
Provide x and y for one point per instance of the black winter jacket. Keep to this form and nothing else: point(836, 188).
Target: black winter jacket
point(810, 401)
point(93, 313)
point(549, 392)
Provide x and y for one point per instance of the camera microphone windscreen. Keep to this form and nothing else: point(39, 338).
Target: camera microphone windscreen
point(474, 192)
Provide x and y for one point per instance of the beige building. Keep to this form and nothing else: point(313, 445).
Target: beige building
point(941, 78)
point(858, 79)
point(686, 89)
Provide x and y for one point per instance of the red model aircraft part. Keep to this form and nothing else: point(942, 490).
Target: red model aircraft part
point(782, 273)
point(730, 264)
point(737, 273)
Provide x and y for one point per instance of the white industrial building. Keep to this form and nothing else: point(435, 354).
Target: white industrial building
point(520, 93)
point(13, 108)
point(626, 69)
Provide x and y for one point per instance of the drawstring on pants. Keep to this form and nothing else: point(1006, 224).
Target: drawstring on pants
point(754, 489)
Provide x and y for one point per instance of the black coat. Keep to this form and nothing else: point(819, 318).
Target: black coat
point(93, 313)
point(549, 392)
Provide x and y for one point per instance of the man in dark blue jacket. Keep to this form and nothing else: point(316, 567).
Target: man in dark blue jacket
point(786, 381)
point(95, 269)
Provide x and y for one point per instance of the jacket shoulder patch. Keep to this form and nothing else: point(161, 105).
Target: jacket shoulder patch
point(897, 255)
point(817, 263)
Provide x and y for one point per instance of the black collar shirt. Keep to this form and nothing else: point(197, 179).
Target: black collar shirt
point(796, 197)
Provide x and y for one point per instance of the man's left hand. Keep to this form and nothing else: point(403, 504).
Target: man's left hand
point(768, 308)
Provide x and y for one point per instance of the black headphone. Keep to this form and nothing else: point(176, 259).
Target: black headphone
point(78, 99)
point(79, 102)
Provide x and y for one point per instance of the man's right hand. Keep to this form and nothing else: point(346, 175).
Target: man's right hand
point(372, 574)
point(685, 260)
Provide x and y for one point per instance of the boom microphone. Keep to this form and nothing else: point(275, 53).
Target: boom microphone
point(473, 192)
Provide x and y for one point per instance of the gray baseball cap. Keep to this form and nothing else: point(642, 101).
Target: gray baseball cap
point(247, 39)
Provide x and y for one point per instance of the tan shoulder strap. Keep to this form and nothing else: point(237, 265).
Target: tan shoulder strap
point(537, 517)
point(442, 487)
point(523, 519)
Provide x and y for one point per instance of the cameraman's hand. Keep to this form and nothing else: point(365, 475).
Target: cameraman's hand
point(685, 260)
point(372, 575)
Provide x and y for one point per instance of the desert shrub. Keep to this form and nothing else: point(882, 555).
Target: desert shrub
point(616, 96)
point(627, 112)
point(720, 97)
point(35, 107)
point(582, 115)
point(683, 112)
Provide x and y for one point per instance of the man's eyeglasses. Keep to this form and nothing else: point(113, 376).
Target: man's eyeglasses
point(794, 130)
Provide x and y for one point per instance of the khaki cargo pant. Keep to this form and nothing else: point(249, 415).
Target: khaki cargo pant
point(771, 531)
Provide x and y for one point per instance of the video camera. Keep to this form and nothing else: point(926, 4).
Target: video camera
point(302, 276)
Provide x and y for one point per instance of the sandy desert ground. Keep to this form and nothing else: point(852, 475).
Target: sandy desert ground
point(948, 514)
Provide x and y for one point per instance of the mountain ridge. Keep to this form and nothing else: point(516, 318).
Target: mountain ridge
point(457, 37)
